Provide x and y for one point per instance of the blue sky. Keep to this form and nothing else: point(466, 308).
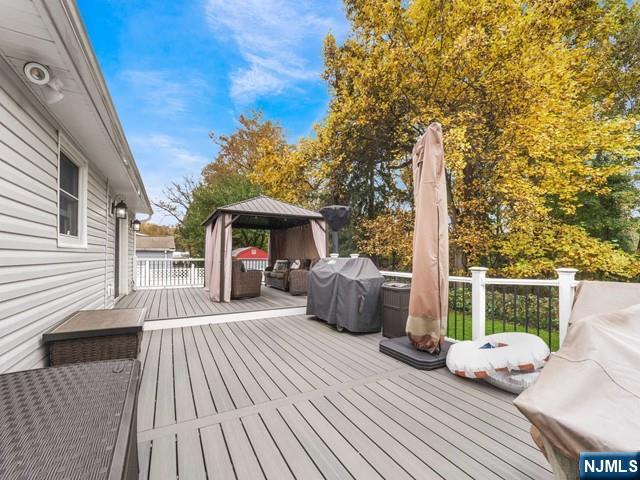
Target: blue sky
point(179, 69)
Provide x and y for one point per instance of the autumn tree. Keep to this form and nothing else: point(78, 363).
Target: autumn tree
point(530, 95)
point(258, 151)
point(153, 229)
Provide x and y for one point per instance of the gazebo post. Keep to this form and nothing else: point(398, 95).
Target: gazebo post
point(222, 242)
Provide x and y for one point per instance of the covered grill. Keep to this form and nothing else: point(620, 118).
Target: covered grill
point(345, 292)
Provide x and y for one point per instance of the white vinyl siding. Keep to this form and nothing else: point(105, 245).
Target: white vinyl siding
point(40, 282)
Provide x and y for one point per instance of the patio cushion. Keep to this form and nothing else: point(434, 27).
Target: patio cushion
point(281, 265)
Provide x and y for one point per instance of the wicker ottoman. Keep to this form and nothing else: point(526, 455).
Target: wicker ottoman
point(93, 335)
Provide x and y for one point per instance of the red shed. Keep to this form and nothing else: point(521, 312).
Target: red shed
point(249, 253)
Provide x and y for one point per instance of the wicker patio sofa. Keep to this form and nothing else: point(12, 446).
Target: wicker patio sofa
point(278, 275)
point(244, 283)
point(299, 279)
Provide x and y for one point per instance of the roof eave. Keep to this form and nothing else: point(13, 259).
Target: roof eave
point(83, 46)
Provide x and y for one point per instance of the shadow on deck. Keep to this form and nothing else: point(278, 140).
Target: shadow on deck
point(290, 397)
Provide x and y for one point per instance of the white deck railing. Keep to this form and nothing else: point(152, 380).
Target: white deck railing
point(557, 303)
point(470, 297)
point(178, 272)
point(169, 273)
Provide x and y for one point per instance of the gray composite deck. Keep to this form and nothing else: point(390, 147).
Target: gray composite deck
point(168, 303)
point(289, 397)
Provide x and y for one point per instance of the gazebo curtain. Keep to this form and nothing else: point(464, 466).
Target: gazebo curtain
point(319, 231)
point(304, 241)
point(217, 259)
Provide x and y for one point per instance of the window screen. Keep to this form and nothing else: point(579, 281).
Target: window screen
point(68, 201)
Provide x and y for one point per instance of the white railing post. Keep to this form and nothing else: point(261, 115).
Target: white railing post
point(147, 280)
point(566, 278)
point(478, 318)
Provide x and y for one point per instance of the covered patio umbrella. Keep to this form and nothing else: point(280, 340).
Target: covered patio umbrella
point(428, 303)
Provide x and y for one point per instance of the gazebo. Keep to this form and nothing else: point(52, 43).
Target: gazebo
point(295, 232)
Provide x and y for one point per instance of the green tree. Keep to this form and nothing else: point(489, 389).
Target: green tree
point(223, 190)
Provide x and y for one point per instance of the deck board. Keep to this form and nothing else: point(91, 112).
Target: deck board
point(290, 397)
point(170, 303)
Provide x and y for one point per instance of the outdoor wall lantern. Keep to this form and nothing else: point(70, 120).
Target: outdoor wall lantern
point(120, 209)
point(135, 225)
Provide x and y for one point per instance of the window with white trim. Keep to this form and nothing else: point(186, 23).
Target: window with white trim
point(72, 196)
point(69, 201)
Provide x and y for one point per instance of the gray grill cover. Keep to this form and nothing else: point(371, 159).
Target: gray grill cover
point(345, 292)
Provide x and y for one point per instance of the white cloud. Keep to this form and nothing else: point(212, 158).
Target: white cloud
point(276, 39)
point(163, 158)
point(160, 93)
point(169, 149)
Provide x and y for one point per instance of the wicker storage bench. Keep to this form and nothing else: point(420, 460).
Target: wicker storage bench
point(73, 422)
point(93, 335)
point(395, 309)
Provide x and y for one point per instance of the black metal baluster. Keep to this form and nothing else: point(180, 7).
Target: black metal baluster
point(504, 309)
point(549, 318)
point(515, 305)
point(463, 310)
point(455, 310)
point(538, 310)
point(526, 308)
point(493, 309)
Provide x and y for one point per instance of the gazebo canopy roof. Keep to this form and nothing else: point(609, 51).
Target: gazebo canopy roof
point(264, 212)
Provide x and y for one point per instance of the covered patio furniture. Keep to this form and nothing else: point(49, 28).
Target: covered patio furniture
point(71, 422)
point(587, 397)
point(244, 283)
point(424, 346)
point(345, 292)
point(427, 320)
point(295, 233)
point(92, 335)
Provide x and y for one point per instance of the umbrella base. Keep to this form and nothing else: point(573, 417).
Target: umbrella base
point(401, 349)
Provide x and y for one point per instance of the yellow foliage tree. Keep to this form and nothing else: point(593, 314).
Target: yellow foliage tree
point(258, 151)
point(528, 93)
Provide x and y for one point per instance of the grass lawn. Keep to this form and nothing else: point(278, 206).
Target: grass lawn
point(457, 327)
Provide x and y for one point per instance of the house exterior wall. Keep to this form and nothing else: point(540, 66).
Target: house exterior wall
point(41, 283)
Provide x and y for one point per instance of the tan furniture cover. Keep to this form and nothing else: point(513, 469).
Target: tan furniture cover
point(587, 397)
point(592, 298)
point(428, 303)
